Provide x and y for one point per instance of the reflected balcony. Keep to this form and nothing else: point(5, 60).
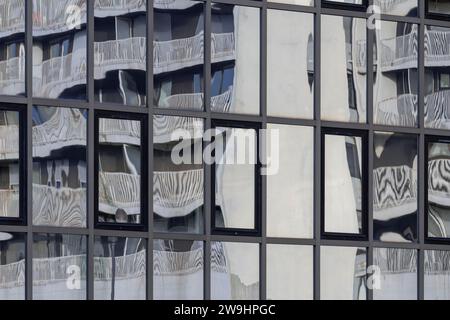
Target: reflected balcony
point(12, 76)
point(119, 131)
point(438, 186)
point(9, 202)
point(12, 17)
point(9, 142)
point(163, 128)
point(119, 190)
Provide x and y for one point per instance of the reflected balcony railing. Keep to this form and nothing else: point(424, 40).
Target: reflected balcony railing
point(177, 193)
point(437, 109)
point(398, 111)
point(165, 126)
point(389, 5)
point(439, 182)
point(119, 131)
point(12, 17)
point(12, 275)
point(9, 202)
point(177, 263)
point(9, 142)
point(394, 261)
point(106, 8)
point(12, 76)
point(130, 266)
point(119, 190)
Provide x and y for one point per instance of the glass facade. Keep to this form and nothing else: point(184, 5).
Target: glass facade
point(122, 175)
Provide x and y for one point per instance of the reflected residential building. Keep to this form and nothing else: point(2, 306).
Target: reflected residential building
point(12, 266)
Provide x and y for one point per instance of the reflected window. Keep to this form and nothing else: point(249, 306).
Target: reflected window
point(235, 179)
point(177, 270)
point(437, 275)
point(178, 178)
point(398, 274)
point(59, 267)
point(289, 279)
point(343, 273)
point(120, 168)
point(398, 7)
point(344, 181)
point(59, 49)
point(59, 166)
point(395, 187)
point(343, 69)
point(290, 61)
point(438, 8)
point(12, 266)
point(235, 59)
point(290, 175)
point(120, 52)
point(12, 47)
point(395, 91)
point(119, 268)
point(234, 271)
point(345, 4)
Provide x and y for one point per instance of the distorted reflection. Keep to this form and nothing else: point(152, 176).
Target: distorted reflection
point(120, 52)
point(119, 268)
point(177, 187)
point(234, 271)
point(350, 283)
point(297, 2)
point(59, 166)
point(119, 176)
point(437, 275)
point(12, 47)
point(59, 267)
point(9, 165)
point(398, 274)
point(59, 49)
point(179, 54)
point(177, 270)
point(395, 74)
point(343, 69)
point(439, 6)
point(395, 187)
point(12, 266)
point(397, 7)
point(438, 190)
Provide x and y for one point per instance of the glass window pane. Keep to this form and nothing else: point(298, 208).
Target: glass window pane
point(12, 47)
point(59, 49)
point(59, 166)
point(177, 270)
point(395, 187)
point(360, 2)
point(395, 74)
point(343, 273)
point(235, 178)
point(120, 52)
point(12, 266)
point(343, 161)
point(296, 2)
point(119, 268)
point(179, 54)
point(119, 176)
point(397, 274)
point(178, 174)
point(59, 267)
point(343, 69)
point(290, 182)
point(290, 62)
point(9, 165)
point(438, 6)
point(397, 7)
point(437, 271)
point(290, 278)
point(235, 59)
point(234, 271)
point(437, 77)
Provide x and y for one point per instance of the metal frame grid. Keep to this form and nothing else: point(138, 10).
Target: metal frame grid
point(261, 120)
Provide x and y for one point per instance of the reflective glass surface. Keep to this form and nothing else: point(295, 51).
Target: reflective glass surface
point(297, 2)
point(437, 275)
point(12, 266)
point(397, 7)
point(438, 6)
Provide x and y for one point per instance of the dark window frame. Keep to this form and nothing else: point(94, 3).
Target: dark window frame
point(435, 15)
point(363, 134)
point(256, 231)
point(142, 118)
point(345, 6)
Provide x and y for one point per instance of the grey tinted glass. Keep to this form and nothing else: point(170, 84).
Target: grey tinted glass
point(438, 190)
point(119, 268)
point(438, 6)
point(297, 2)
point(178, 54)
point(235, 51)
point(397, 269)
point(290, 62)
point(119, 176)
point(12, 47)
point(178, 179)
point(9, 165)
point(120, 52)
point(343, 184)
point(290, 278)
point(342, 273)
point(59, 166)
point(345, 1)
point(436, 279)
point(290, 181)
point(343, 69)
point(395, 74)
point(12, 266)
point(235, 179)
point(177, 270)
point(59, 49)
point(397, 7)
point(234, 271)
point(437, 77)
point(395, 187)
point(59, 267)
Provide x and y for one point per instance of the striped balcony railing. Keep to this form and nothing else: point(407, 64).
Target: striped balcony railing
point(9, 142)
point(119, 131)
point(165, 126)
point(12, 76)
point(118, 190)
point(12, 17)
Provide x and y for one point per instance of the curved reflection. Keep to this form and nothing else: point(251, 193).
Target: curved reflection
point(12, 266)
point(437, 275)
